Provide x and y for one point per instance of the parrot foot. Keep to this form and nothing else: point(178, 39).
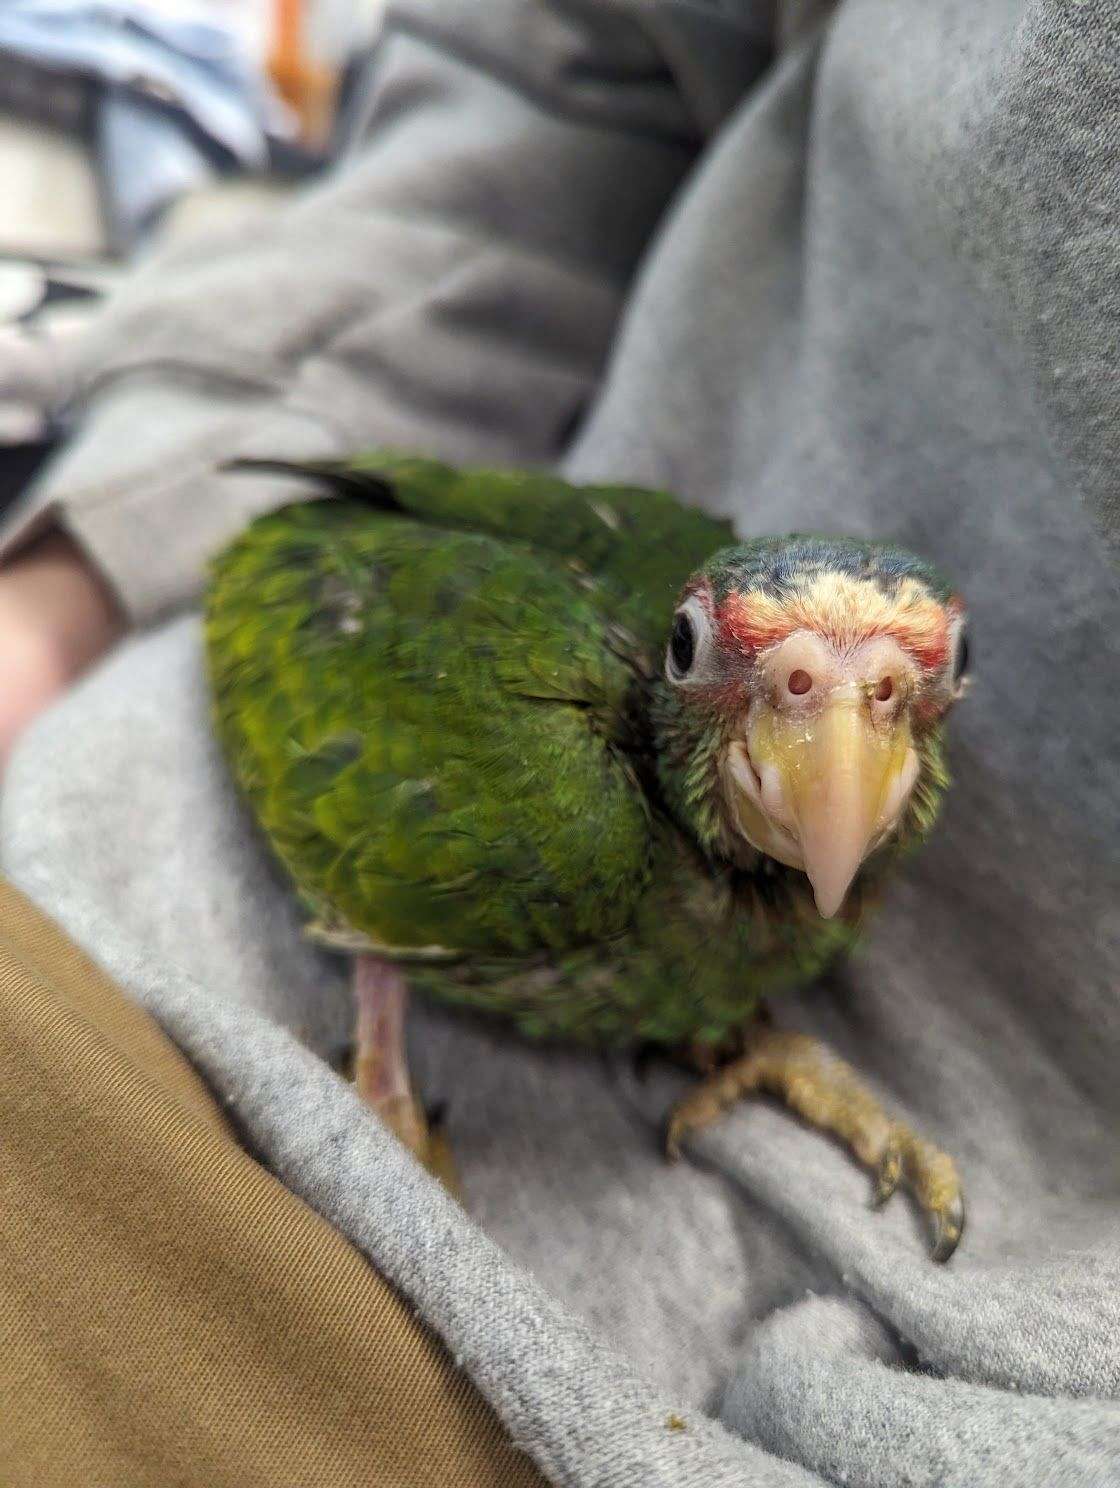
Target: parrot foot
point(381, 1067)
point(827, 1093)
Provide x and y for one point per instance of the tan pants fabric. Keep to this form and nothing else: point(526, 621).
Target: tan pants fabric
point(169, 1313)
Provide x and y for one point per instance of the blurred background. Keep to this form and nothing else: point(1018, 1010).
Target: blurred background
point(126, 122)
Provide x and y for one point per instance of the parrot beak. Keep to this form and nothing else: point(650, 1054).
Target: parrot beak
point(829, 787)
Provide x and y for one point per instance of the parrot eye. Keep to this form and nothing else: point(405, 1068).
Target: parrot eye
point(682, 644)
point(689, 656)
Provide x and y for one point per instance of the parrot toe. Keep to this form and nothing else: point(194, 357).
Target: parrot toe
point(435, 1153)
point(888, 1173)
point(931, 1176)
point(425, 1136)
point(948, 1227)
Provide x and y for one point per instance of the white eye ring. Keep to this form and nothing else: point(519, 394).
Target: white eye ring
point(691, 623)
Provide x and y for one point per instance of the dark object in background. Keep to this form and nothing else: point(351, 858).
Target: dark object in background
point(18, 463)
point(44, 95)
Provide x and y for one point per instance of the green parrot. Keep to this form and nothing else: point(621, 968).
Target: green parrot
point(573, 757)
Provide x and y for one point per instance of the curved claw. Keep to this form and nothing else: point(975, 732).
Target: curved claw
point(641, 1060)
point(948, 1227)
point(888, 1174)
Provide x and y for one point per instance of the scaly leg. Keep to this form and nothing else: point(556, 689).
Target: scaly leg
point(828, 1094)
point(381, 1063)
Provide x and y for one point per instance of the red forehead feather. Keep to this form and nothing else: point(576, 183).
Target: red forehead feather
point(931, 655)
point(739, 626)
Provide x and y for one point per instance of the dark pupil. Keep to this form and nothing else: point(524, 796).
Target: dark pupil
point(682, 647)
point(961, 665)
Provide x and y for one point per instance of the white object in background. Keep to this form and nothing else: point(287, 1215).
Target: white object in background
point(22, 286)
point(249, 21)
point(49, 202)
point(336, 29)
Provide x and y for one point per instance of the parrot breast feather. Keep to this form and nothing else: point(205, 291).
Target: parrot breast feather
point(428, 724)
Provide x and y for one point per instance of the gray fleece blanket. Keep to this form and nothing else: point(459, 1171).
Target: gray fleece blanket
point(881, 299)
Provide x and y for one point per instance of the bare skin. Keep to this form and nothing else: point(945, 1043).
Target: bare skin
point(57, 617)
point(828, 1094)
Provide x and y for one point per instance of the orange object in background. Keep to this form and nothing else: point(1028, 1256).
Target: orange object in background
point(307, 84)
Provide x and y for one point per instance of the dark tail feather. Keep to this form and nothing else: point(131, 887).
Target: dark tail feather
point(343, 479)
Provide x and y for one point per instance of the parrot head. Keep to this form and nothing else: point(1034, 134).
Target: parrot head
point(805, 684)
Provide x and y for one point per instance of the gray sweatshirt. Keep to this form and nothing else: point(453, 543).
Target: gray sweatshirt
point(854, 272)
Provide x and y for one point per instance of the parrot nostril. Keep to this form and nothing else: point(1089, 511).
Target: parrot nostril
point(799, 682)
point(885, 690)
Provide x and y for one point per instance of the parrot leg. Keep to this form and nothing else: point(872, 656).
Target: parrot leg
point(828, 1094)
point(381, 1064)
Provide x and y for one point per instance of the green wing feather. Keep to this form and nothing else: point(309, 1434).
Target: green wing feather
point(430, 725)
point(631, 548)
